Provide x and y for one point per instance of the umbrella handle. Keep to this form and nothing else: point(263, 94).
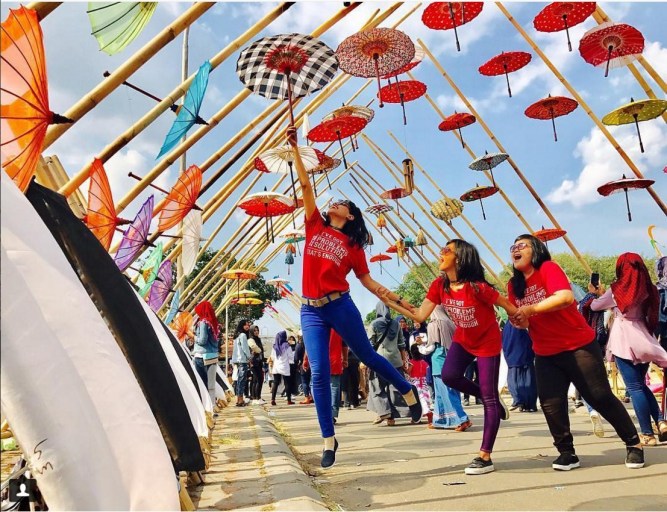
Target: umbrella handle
point(553, 123)
point(377, 75)
point(567, 31)
point(481, 203)
point(289, 98)
point(641, 144)
point(627, 204)
point(139, 178)
point(463, 144)
point(342, 151)
point(314, 185)
point(456, 34)
point(606, 70)
point(327, 176)
point(405, 119)
point(273, 239)
point(507, 78)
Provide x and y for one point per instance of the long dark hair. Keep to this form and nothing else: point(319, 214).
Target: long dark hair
point(468, 264)
point(540, 255)
point(239, 327)
point(355, 229)
point(254, 336)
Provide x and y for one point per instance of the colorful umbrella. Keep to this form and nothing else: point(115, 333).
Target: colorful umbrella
point(351, 110)
point(268, 205)
point(192, 227)
point(246, 294)
point(277, 281)
point(183, 325)
point(635, 112)
point(457, 121)
point(505, 63)
point(487, 162)
point(395, 194)
point(624, 184)
point(416, 60)
point(24, 96)
point(448, 15)
point(377, 209)
point(188, 113)
point(447, 209)
point(181, 199)
point(237, 274)
point(173, 307)
point(161, 286)
point(379, 258)
point(402, 91)
point(281, 160)
point(101, 213)
point(294, 236)
point(550, 108)
point(135, 236)
point(326, 164)
point(336, 129)
point(548, 234)
point(375, 53)
point(116, 24)
point(248, 301)
point(611, 44)
point(559, 16)
point(287, 66)
point(392, 249)
point(149, 270)
point(477, 194)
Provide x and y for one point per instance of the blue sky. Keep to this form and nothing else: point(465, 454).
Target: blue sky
point(564, 174)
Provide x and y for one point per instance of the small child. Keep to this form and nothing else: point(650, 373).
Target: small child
point(418, 369)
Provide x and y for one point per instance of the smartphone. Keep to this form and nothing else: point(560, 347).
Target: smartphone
point(595, 279)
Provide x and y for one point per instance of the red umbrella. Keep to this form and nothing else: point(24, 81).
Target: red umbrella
point(380, 258)
point(326, 164)
point(624, 184)
point(416, 60)
point(268, 205)
point(457, 121)
point(447, 15)
point(612, 44)
point(396, 194)
point(559, 16)
point(337, 129)
point(506, 62)
point(549, 234)
point(550, 108)
point(477, 194)
point(402, 91)
point(375, 52)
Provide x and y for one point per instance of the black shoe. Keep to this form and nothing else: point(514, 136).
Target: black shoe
point(416, 408)
point(329, 456)
point(635, 458)
point(479, 466)
point(565, 462)
point(514, 407)
point(334, 420)
point(504, 411)
point(466, 402)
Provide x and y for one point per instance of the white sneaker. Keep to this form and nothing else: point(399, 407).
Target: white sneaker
point(598, 428)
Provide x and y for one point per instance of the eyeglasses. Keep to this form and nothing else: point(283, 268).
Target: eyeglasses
point(445, 250)
point(341, 202)
point(519, 247)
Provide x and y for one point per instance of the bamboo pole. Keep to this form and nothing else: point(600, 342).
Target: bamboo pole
point(586, 108)
point(43, 9)
point(106, 87)
point(518, 172)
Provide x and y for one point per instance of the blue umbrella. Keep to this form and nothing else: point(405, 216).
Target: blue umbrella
point(173, 307)
point(187, 115)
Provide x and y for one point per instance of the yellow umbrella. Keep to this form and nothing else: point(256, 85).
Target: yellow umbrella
point(446, 209)
point(237, 274)
point(635, 112)
point(249, 301)
point(247, 294)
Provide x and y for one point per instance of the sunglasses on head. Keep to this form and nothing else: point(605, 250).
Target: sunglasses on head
point(519, 247)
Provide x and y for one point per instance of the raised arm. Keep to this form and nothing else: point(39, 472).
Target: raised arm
point(306, 188)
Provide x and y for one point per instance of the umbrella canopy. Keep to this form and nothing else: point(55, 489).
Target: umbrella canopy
point(135, 236)
point(277, 281)
point(173, 307)
point(624, 184)
point(635, 112)
point(247, 294)
point(351, 110)
point(149, 270)
point(402, 91)
point(551, 108)
point(286, 66)
point(183, 325)
point(446, 209)
point(396, 194)
point(506, 62)
point(548, 234)
point(294, 236)
point(456, 121)
point(449, 15)
point(248, 301)
point(281, 160)
point(188, 112)
point(477, 194)
point(116, 24)
point(161, 286)
point(379, 258)
point(376, 52)
point(101, 212)
point(377, 209)
point(487, 162)
point(268, 205)
point(416, 60)
point(336, 129)
point(181, 198)
point(612, 45)
point(24, 97)
point(192, 228)
point(237, 274)
point(326, 164)
point(559, 16)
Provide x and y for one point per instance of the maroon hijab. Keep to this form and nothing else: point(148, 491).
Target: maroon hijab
point(633, 287)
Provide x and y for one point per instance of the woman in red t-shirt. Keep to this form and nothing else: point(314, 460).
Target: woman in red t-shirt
point(566, 351)
point(335, 245)
point(469, 299)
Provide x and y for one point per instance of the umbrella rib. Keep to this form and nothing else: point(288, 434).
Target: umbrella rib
point(28, 64)
point(115, 20)
point(36, 107)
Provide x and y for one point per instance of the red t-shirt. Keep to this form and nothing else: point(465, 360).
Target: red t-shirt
point(476, 326)
point(419, 369)
point(328, 257)
point(556, 331)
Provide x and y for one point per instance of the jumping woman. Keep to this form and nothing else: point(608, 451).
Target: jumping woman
point(468, 299)
point(334, 246)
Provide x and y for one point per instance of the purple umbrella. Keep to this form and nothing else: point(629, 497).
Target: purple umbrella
point(135, 236)
point(161, 286)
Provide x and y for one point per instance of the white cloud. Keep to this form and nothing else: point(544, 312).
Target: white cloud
point(656, 55)
point(602, 163)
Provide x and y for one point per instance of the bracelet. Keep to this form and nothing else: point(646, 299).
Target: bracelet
point(400, 298)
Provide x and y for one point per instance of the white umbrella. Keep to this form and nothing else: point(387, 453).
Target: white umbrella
point(192, 226)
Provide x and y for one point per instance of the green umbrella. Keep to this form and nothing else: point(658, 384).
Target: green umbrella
point(117, 24)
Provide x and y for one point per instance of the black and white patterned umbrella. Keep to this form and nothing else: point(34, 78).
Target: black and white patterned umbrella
point(286, 66)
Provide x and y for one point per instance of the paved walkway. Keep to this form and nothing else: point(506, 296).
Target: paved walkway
point(408, 467)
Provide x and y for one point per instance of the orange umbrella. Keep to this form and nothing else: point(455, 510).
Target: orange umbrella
point(547, 234)
point(183, 324)
point(101, 215)
point(380, 258)
point(237, 274)
point(395, 194)
point(181, 199)
point(477, 194)
point(24, 95)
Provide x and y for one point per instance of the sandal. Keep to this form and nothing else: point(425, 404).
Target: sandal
point(662, 431)
point(380, 419)
point(391, 422)
point(463, 426)
point(647, 439)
